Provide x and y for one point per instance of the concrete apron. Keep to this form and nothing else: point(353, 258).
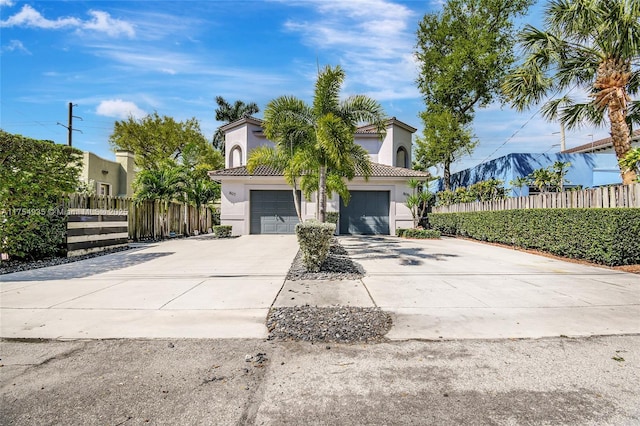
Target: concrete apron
point(457, 289)
point(192, 288)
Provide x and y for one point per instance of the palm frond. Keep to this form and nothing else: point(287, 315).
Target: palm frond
point(550, 110)
point(327, 91)
point(578, 114)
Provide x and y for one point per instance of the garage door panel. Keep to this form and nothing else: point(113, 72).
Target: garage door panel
point(272, 212)
point(366, 213)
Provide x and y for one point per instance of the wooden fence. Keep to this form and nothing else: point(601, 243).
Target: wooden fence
point(148, 219)
point(604, 197)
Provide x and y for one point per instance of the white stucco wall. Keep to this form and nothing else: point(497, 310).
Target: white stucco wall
point(235, 196)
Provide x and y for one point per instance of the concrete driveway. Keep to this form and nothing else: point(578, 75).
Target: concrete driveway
point(452, 288)
point(196, 287)
point(207, 288)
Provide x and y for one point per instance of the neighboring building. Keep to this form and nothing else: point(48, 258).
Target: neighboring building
point(113, 178)
point(262, 203)
point(587, 171)
point(602, 145)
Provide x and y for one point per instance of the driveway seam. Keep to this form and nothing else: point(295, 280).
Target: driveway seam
point(84, 295)
point(181, 294)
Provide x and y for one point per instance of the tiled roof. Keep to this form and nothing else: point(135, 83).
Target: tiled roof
point(597, 145)
point(377, 170)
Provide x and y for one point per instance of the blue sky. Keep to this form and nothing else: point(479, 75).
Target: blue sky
point(116, 58)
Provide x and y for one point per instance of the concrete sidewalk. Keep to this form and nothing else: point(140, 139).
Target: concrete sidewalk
point(196, 287)
point(456, 289)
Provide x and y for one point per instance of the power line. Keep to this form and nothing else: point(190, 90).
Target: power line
point(69, 127)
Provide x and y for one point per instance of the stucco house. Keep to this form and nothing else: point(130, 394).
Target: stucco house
point(113, 178)
point(262, 203)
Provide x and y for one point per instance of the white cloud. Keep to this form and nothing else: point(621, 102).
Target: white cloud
point(104, 23)
point(373, 41)
point(118, 108)
point(15, 45)
point(29, 17)
point(101, 22)
point(6, 3)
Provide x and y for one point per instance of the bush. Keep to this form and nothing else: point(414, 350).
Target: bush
point(605, 236)
point(314, 238)
point(34, 175)
point(421, 234)
point(221, 231)
point(332, 217)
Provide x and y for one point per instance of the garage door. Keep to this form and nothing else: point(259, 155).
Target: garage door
point(272, 212)
point(367, 213)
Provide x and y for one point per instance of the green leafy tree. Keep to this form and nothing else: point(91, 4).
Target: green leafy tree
point(418, 201)
point(542, 179)
point(229, 113)
point(34, 175)
point(520, 182)
point(155, 139)
point(591, 45)
point(558, 171)
point(464, 52)
point(324, 153)
point(166, 183)
point(445, 139)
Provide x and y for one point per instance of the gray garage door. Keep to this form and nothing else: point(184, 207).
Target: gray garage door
point(366, 213)
point(272, 212)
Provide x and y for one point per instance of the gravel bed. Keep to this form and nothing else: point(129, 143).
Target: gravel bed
point(340, 324)
point(8, 267)
point(338, 266)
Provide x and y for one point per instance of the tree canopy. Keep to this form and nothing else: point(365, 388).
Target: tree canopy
point(155, 139)
point(589, 45)
point(229, 113)
point(464, 52)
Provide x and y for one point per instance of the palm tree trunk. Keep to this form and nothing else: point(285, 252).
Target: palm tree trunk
point(621, 138)
point(322, 194)
point(296, 199)
point(447, 175)
point(612, 78)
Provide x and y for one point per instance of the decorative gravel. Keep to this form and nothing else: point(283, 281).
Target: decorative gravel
point(340, 324)
point(7, 267)
point(338, 266)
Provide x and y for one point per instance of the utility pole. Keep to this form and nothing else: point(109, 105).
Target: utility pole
point(69, 126)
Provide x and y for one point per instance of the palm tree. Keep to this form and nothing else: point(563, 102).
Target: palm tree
point(587, 44)
point(520, 182)
point(166, 183)
point(230, 113)
point(316, 142)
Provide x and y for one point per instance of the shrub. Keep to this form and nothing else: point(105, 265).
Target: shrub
point(34, 175)
point(421, 234)
point(221, 231)
point(332, 217)
point(605, 236)
point(314, 238)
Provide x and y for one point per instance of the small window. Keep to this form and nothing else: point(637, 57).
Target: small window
point(402, 159)
point(104, 189)
point(235, 159)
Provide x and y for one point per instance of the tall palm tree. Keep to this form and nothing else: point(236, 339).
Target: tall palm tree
point(229, 113)
point(587, 44)
point(320, 137)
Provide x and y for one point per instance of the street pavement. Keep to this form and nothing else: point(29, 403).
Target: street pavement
point(209, 288)
point(173, 333)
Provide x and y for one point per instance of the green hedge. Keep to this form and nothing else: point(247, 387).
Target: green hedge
point(34, 175)
point(422, 234)
point(605, 236)
point(314, 238)
point(221, 231)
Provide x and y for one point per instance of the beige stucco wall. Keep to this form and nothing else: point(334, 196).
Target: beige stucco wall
point(118, 174)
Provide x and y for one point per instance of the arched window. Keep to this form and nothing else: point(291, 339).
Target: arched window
point(235, 157)
point(402, 158)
